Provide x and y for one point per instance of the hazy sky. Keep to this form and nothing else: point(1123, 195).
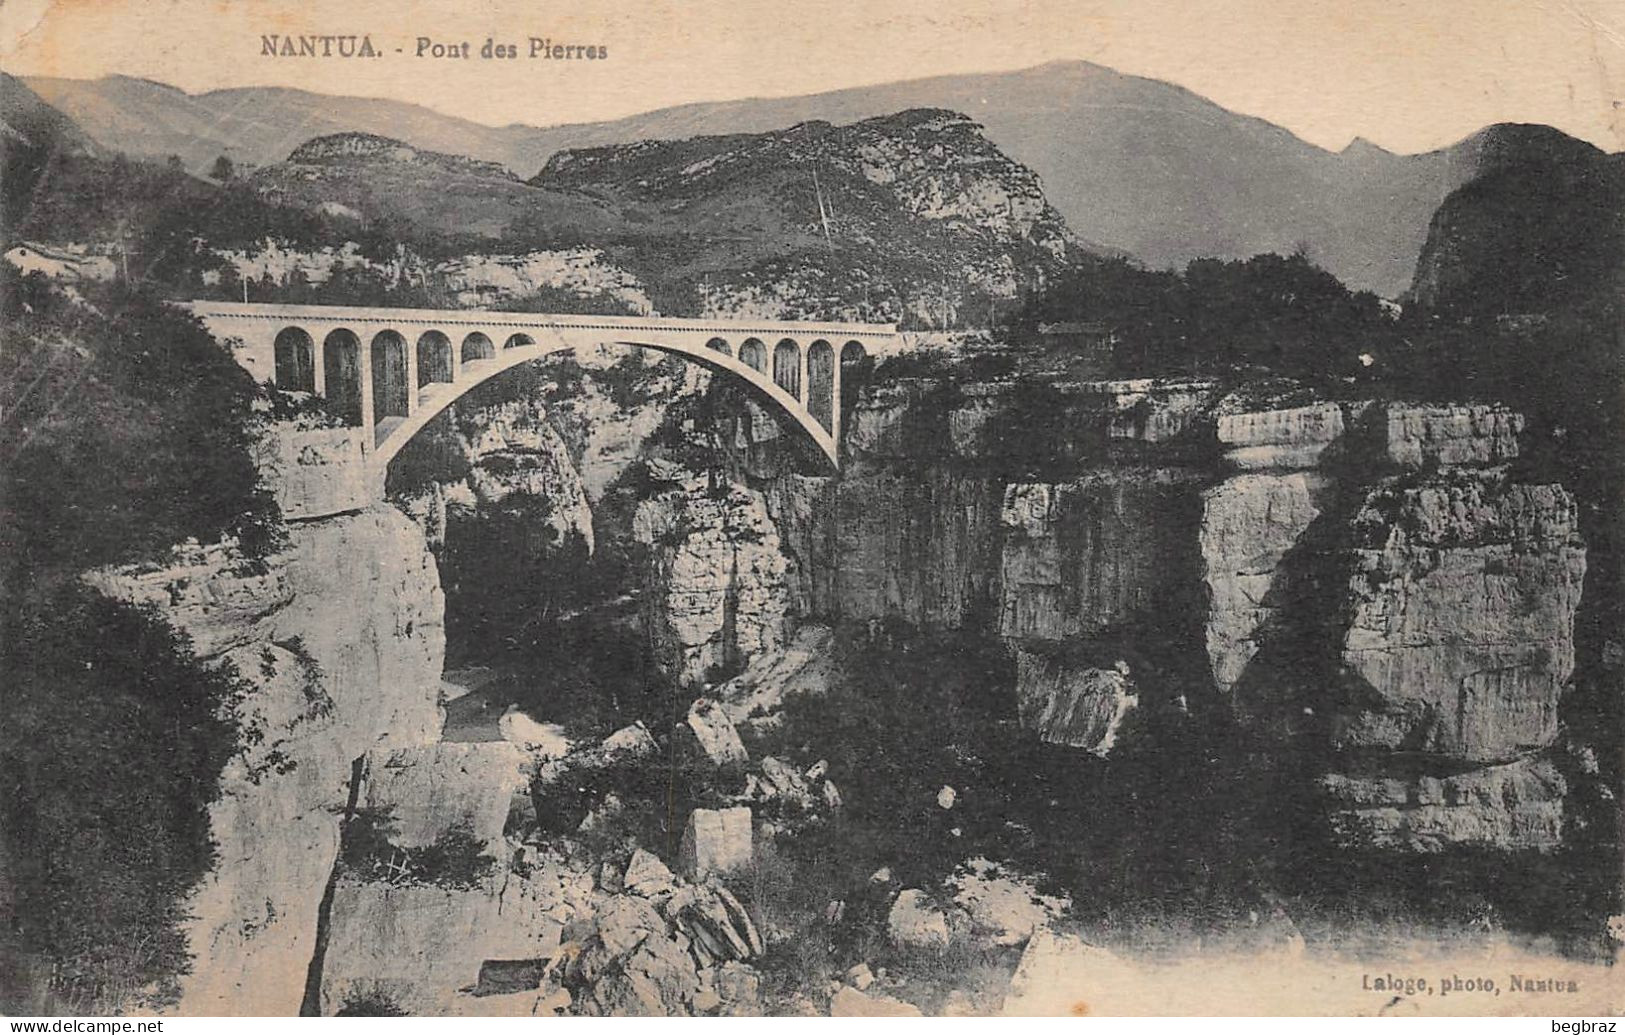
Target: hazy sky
point(1408, 75)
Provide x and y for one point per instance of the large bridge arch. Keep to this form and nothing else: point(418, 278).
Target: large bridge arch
point(392, 370)
point(766, 390)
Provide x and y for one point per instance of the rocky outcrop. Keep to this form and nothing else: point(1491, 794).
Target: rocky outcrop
point(1073, 704)
point(1451, 436)
point(1460, 635)
point(511, 448)
point(1083, 556)
point(1507, 807)
point(314, 472)
point(716, 585)
point(483, 281)
point(340, 634)
point(1377, 578)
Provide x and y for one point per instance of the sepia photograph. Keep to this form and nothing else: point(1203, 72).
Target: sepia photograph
point(927, 508)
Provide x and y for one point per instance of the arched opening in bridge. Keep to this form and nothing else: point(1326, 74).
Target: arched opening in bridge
point(477, 347)
point(519, 341)
point(434, 359)
point(341, 374)
point(787, 366)
point(753, 354)
point(856, 365)
point(718, 345)
point(295, 361)
point(821, 383)
point(389, 389)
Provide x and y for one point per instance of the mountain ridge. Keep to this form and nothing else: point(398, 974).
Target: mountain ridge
point(1136, 165)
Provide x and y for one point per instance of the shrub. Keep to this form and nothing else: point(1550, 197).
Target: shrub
point(127, 429)
point(456, 859)
point(114, 740)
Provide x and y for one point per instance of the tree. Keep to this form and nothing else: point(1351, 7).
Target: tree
point(223, 169)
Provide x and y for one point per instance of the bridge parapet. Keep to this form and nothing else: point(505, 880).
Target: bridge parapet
point(392, 370)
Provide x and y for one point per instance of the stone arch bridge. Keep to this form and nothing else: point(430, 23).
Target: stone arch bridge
point(393, 370)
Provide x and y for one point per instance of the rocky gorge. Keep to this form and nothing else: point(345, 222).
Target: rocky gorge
point(1090, 655)
point(1374, 586)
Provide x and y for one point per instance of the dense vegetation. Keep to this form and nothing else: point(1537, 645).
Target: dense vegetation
point(125, 430)
point(112, 745)
point(1280, 314)
point(510, 575)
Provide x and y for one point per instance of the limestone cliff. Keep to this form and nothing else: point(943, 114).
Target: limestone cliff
point(716, 590)
point(340, 634)
point(1375, 577)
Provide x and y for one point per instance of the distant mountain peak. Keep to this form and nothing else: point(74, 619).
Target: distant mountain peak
point(335, 148)
point(1360, 147)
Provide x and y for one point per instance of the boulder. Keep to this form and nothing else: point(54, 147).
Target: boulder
point(915, 923)
point(710, 730)
point(1004, 907)
point(715, 922)
point(860, 977)
point(849, 1002)
point(832, 795)
point(629, 742)
point(544, 739)
point(646, 875)
point(716, 841)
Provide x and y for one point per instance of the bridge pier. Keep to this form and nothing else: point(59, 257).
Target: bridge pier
point(318, 359)
point(364, 357)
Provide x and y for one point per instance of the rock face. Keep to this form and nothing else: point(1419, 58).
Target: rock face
point(1072, 704)
point(313, 472)
point(1250, 523)
point(1369, 575)
point(480, 281)
point(1386, 553)
point(1461, 632)
point(431, 789)
point(1513, 806)
point(716, 584)
point(341, 635)
point(1080, 557)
